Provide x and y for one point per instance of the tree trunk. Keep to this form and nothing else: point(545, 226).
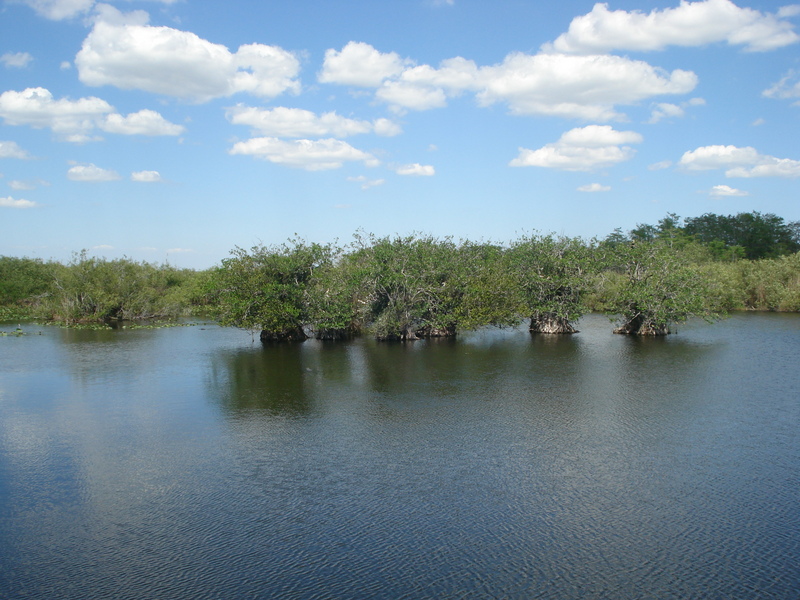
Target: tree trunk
point(290, 335)
point(549, 323)
point(639, 325)
point(435, 332)
point(333, 334)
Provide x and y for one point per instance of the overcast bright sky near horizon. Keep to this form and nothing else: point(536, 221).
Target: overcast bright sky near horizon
point(175, 130)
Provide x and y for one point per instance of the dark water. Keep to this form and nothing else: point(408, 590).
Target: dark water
point(190, 463)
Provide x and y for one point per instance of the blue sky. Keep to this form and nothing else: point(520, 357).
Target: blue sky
point(177, 130)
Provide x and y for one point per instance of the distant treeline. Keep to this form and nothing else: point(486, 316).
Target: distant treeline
point(407, 287)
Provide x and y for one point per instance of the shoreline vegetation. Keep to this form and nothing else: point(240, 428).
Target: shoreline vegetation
point(420, 286)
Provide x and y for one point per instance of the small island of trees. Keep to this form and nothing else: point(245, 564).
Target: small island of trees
point(420, 286)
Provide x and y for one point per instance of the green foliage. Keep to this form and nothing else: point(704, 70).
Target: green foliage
point(491, 292)
point(551, 277)
point(656, 287)
point(414, 286)
point(334, 295)
point(420, 286)
point(756, 235)
point(265, 289)
point(23, 280)
point(90, 289)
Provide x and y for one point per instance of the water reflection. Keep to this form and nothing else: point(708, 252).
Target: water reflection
point(271, 378)
point(189, 463)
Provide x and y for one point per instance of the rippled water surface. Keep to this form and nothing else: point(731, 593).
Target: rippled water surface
point(192, 463)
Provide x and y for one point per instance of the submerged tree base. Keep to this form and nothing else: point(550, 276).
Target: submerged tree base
point(408, 335)
point(641, 326)
point(290, 335)
point(551, 324)
point(334, 334)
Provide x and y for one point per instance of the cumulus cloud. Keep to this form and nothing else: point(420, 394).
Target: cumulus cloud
point(665, 110)
point(582, 149)
point(359, 64)
point(146, 177)
point(12, 150)
point(178, 63)
point(17, 59)
point(91, 173)
point(739, 162)
point(594, 187)
point(584, 87)
point(297, 123)
point(37, 107)
point(424, 87)
point(9, 202)
point(719, 191)
point(416, 169)
point(75, 120)
point(312, 155)
point(690, 24)
point(56, 10)
point(144, 122)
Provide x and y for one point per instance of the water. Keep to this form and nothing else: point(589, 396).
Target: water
point(191, 463)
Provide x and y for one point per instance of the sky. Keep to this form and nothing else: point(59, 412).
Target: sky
point(174, 131)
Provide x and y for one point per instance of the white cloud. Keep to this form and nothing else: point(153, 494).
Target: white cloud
point(37, 107)
point(769, 167)
point(718, 157)
point(416, 169)
point(179, 63)
point(75, 120)
point(365, 184)
point(665, 110)
point(20, 185)
point(91, 173)
point(56, 10)
point(690, 24)
point(312, 155)
point(594, 187)
point(359, 64)
point(787, 88)
point(387, 127)
point(739, 162)
point(18, 59)
point(105, 13)
point(582, 149)
point(408, 96)
point(659, 166)
point(719, 191)
point(296, 123)
point(12, 150)
point(146, 177)
point(424, 87)
point(9, 202)
point(144, 122)
point(584, 87)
